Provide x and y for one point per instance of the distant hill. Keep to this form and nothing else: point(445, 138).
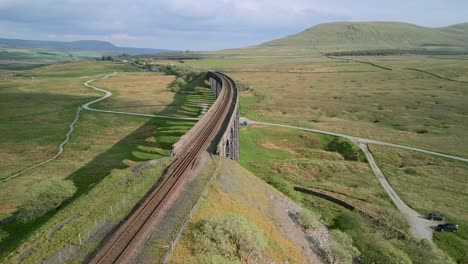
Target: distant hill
point(359, 36)
point(101, 47)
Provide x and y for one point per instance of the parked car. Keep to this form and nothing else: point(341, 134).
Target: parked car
point(447, 227)
point(437, 217)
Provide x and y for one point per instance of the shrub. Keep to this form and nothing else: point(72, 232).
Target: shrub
point(424, 251)
point(381, 251)
point(215, 259)
point(283, 186)
point(230, 236)
point(348, 220)
point(346, 149)
point(48, 197)
point(341, 249)
point(185, 77)
point(3, 235)
point(308, 219)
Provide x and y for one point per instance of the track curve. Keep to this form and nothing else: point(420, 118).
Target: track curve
point(132, 234)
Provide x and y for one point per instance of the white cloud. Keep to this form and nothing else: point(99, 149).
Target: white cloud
point(123, 36)
point(205, 24)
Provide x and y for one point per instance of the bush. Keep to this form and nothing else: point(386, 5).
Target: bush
point(308, 219)
point(341, 249)
point(48, 197)
point(346, 149)
point(381, 251)
point(3, 235)
point(185, 77)
point(423, 251)
point(348, 220)
point(283, 186)
point(215, 259)
point(230, 236)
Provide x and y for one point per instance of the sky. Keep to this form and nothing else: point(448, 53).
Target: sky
point(205, 25)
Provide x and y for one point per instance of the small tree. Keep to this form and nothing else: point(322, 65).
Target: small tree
point(49, 196)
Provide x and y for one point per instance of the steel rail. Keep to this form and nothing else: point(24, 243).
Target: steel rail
point(125, 238)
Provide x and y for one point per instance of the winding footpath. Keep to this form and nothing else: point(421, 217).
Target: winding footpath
point(420, 227)
point(108, 94)
point(59, 152)
point(86, 106)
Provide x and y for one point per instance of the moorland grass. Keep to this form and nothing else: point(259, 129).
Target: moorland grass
point(286, 158)
point(103, 144)
point(398, 106)
point(431, 184)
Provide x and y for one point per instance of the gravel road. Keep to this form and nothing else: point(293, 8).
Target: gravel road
point(419, 226)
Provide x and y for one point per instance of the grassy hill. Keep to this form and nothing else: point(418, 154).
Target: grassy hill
point(80, 45)
point(16, 54)
point(359, 36)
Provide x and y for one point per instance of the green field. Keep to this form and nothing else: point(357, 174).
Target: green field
point(21, 58)
point(399, 106)
point(429, 184)
point(286, 158)
point(36, 113)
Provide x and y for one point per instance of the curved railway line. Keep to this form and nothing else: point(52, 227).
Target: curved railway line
point(130, 237)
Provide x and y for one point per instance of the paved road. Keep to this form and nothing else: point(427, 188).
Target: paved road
point(419, 226)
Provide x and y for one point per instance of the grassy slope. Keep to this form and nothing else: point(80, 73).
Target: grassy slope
point(277, 154)
point(347, 36)
point(431, 184)
point(12, 57)
point(102, 144)
point(238, 191)
point(286, 158)
point(36, 112)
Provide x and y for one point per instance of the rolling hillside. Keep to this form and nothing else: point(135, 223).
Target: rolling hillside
point(359, 36)
point(92, 47)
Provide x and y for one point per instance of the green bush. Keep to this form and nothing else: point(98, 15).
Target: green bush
point(185, 77)
point(215, 259)
point(284, 186)
point(378, 250)
point(346, 149)
point(341, 248)
point(228, 235)
point(423, 251)
point(3, 235)
point(308, 219)
point(348, 220)
point(48, 197)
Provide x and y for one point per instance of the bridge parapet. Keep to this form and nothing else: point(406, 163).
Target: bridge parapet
point(228, 144)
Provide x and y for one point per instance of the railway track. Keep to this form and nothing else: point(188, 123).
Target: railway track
point(131, 235)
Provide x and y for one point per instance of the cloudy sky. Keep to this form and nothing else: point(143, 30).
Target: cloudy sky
point(206, 24)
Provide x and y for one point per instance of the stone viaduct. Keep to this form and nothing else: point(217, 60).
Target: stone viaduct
point(227, 143)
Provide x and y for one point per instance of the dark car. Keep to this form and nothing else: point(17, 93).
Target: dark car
point(437, 217)
point(447, 227)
